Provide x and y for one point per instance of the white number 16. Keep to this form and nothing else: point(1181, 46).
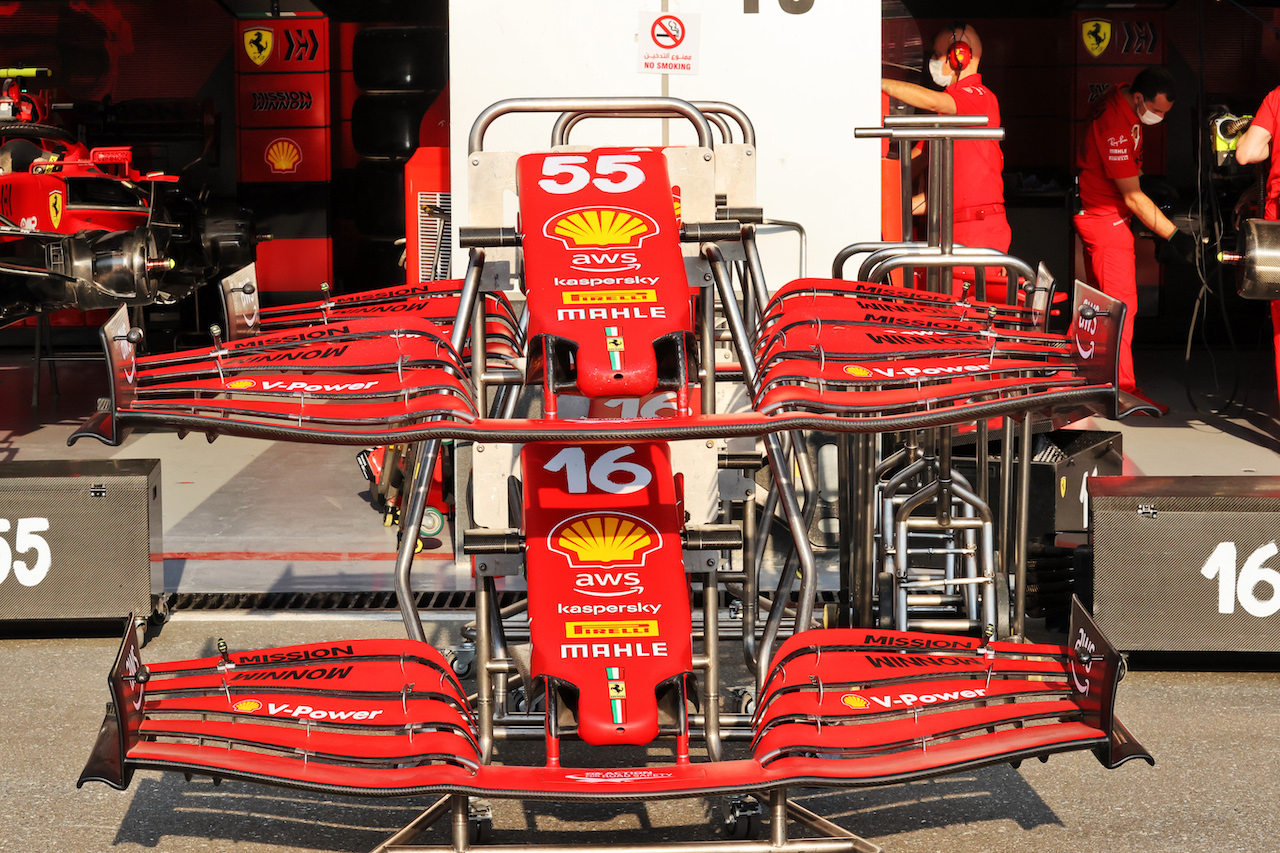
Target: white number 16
point(1222, 565)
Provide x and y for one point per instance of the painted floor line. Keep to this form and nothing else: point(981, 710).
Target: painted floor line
point(298, 556)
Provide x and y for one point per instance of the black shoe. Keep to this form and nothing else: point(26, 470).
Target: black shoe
point(1136, 403)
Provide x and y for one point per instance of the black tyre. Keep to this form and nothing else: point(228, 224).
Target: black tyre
point(378, 263)
point(398, 59)
point(1004, 607)
point(385, 125)
point(887, 600)
point(378, 193)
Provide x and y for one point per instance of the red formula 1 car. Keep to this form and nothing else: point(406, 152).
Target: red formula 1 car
point(82, 228)
point(624, 528)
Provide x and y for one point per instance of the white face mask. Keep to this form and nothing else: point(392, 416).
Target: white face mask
point(1149, 117)
point(938, 71)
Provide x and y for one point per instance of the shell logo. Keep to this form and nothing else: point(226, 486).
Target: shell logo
point(241, 384)
point(856, 370)
point(247, 706)
point(854, 701)
point(283, 155)
point(600, 539)
point(600, 226)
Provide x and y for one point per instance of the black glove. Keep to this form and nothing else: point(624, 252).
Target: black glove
point(1180, 248)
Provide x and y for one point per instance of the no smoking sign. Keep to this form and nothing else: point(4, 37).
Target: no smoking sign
point(667, 32)
point(668, 43)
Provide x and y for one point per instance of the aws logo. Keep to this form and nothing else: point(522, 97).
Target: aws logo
point(283, 156)
point(127, 360)
point(608, 584)
point(601, 540)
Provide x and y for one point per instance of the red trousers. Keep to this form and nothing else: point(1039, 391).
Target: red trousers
point(989, 233)
point(1108, 249)
point(1275, 327)
point(1269, 212)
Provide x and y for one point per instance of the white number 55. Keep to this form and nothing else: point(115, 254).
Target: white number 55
point(26, 538)
point(573, 168)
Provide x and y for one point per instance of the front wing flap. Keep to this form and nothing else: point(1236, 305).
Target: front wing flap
point(841, 708)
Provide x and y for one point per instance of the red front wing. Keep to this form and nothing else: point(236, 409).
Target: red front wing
point(844, 708)
point(603, 522)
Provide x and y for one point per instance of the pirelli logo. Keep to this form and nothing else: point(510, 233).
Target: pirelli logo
point(630, 628)
point(587, 297)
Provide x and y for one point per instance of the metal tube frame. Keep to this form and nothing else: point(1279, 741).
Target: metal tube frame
point(475, 139)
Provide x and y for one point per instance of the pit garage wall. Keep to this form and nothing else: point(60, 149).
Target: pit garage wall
point(805, 71)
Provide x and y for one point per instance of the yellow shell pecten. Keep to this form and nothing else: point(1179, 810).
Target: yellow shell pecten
point(283, 155)
point(601, 227)
point(604, 539)
point(854, 701)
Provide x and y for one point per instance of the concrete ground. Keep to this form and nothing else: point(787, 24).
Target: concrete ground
point(1213, 787)
point(1212, 723)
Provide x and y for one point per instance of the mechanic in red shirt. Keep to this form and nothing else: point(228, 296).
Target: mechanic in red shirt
point(978, 192)
point(1110, 161)
point(1254, 147)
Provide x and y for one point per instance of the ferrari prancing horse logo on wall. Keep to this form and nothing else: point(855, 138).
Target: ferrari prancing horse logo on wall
point(258, 43)
point(1097, 35)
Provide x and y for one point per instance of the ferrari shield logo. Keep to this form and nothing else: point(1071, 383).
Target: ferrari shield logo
point(258, 43)
point(55, 207)
point(1097, 35)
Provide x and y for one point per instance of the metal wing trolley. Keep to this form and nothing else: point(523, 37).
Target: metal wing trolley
point(618, 526)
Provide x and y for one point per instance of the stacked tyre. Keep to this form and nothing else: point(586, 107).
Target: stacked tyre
point(401, 70)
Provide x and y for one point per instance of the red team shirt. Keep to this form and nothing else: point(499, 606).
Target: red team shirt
point(1112, 149)
point(979, 163)
point(1268, 118)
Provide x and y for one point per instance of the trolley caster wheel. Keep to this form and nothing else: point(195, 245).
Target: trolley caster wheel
point(744, 699)
point(161, 610)
point(479, 821)
point(417, 542)
point(743, 819)
point(887, 597)
point(432, 522)
point(461, 659)
point(520, 701)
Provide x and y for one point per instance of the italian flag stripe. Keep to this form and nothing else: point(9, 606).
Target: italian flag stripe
point(618, 716)
point(613, 673)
